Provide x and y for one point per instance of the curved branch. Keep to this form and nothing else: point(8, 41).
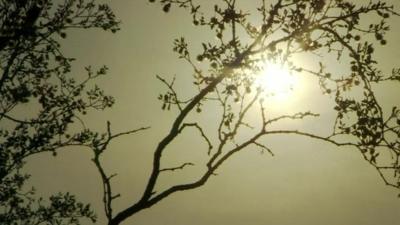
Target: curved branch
point(196, 125)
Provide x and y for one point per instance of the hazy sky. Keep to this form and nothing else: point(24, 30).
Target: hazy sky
point(306, 182)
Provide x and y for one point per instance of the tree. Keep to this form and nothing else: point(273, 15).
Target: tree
point(35, 75)
point(226, 77)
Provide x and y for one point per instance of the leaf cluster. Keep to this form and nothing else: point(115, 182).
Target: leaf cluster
point(36, 75)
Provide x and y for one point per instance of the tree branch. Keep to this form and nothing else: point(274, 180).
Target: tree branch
point(177, 167)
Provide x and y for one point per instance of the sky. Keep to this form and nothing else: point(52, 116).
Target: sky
point(306, 182)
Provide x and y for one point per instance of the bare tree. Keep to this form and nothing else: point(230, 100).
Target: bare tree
point(225, 75)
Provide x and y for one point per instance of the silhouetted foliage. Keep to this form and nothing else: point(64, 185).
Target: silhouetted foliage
point(226, 70)
point(34, 70)
point(35, 74)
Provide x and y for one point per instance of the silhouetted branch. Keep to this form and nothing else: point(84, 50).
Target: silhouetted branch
point(177, 167)
point(314, 136)
point(171, 88)
point(263, 147)
point(203, 135)
point(297, 116)
point(98, 149)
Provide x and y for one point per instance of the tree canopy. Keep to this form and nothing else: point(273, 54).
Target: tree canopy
point(225, 74)
point(35, 75)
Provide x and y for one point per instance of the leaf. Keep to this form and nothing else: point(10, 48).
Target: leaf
point(167, 7)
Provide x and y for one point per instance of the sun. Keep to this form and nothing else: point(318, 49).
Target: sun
point(277, 82)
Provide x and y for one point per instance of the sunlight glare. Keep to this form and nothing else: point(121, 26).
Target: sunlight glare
point(277, 82)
